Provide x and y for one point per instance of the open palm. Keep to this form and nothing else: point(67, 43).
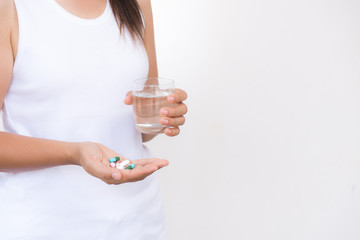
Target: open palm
point(94, 158)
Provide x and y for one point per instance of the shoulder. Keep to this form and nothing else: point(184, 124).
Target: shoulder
point(144, 3)
point(7, 16)
point(7, 8)
point(145, 6)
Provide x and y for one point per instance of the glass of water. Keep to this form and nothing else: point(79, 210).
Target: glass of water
point(149, 96)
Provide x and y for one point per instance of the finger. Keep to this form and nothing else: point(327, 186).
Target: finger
point(139, 173)
point(156, 161)
point(177, 111)
point(107, 173)
point(178, 96)
point(117, 177)
point(128, 98)
point(144, 168)
point(174, 122)
point(172, 132)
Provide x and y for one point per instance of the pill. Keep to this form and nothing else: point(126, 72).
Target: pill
point(118, 166)
point(112, 164)
point(131, 166)
point(114, 159)
point(121, 165)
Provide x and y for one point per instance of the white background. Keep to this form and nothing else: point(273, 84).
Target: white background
point(271, 147)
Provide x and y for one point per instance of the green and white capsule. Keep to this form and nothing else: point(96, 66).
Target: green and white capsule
point(130, 167)
point(114, 159)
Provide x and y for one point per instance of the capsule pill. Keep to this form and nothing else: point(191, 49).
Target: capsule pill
point(121, 165)
point(114, 159)
point(130, 167)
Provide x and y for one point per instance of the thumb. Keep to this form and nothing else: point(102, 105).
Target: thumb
point(128, 98)
point(116, 175)
point(107, 173)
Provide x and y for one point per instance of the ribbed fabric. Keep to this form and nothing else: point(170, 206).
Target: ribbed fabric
point(69, 81)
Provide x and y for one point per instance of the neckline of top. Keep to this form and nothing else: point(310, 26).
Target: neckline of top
point(100, 19)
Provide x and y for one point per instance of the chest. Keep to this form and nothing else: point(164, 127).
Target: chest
point(55, 54)
point(64, 61)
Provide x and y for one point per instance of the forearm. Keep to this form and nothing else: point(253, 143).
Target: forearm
point(20, 152)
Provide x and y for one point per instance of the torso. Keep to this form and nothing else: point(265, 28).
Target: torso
point(68, 83)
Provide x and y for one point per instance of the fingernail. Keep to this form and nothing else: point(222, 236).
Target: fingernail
point(171, 99)
point(116, 176)
point(164, 112)
point(169, 131)
point(164, 121)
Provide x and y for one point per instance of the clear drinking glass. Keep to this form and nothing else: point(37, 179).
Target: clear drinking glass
point(149, 96)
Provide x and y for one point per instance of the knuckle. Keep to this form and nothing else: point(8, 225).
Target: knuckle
point(172, 112)
point(178, 121)
point(170, 121)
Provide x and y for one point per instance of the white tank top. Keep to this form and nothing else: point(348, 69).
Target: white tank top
point(69, 81)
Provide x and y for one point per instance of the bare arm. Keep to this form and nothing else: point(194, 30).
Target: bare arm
point(20, 151)
point(149, 38)
point(149, 41)
point(171, 116)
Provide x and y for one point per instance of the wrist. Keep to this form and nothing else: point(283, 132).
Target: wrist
point(72, 153)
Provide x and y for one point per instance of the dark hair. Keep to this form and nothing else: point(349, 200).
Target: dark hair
point(128, 14)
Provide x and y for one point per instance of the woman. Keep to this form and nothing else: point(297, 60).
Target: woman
point(65, 68)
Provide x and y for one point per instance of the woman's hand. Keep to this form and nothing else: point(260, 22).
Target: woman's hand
point(170, 116)
point(94, 158)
